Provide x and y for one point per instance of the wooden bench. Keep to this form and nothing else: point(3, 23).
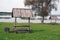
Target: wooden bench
point(21, 29)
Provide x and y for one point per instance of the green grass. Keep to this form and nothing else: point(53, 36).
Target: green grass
point(38, 32)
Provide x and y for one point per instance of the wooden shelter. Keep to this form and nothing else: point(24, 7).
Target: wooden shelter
point(21, 12)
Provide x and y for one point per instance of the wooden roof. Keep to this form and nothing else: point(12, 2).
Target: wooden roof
point(21, 12)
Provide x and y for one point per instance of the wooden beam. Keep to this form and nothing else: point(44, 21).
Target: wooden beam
point(29, 21)
point(15, 22)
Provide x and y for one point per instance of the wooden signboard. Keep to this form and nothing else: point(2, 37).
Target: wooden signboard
point(21, 12)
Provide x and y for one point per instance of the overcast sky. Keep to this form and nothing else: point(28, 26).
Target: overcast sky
point(7, 5)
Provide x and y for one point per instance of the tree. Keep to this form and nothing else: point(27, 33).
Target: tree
point(44, 6)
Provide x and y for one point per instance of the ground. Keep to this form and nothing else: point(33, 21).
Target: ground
point(38, 32)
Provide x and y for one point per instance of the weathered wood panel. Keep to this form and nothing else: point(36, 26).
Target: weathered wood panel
point(20, 12)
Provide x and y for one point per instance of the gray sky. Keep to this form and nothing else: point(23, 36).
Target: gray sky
point(7, 5)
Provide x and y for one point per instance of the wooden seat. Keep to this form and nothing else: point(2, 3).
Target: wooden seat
point(27, 29)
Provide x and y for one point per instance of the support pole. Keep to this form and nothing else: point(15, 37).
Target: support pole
point(15, 22)
point(29, 24)
point(29, 21)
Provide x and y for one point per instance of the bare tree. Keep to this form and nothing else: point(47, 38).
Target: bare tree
point(44, 6)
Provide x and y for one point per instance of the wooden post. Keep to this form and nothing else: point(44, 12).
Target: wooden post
point(15, 22)
point(29, 21)
point(29, 24)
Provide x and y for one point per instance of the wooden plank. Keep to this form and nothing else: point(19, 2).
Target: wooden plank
point(21, 12)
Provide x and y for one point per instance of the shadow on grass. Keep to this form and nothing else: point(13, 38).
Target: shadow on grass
point(34, 31)
point(11, 31)
point(23, 26)
point(31, 31)
point(53, 23)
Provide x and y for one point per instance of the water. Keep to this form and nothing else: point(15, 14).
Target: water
point(26, 21)
point(7, 17)
point(19, 20)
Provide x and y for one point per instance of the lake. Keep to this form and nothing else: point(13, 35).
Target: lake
point(7, 17)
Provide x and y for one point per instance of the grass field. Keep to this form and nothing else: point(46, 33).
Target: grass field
point(38, 32)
